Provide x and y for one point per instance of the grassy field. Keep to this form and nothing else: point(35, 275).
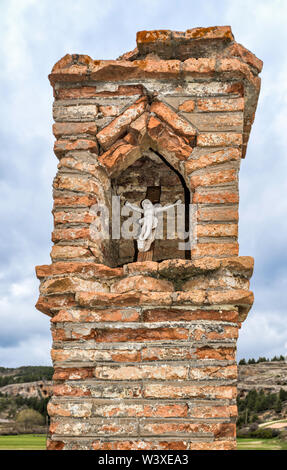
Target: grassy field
point(38, 442)
point(23, 442)
point(261, 444)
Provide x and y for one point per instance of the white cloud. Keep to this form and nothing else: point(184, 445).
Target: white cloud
point(23, 288)
point(33, 350)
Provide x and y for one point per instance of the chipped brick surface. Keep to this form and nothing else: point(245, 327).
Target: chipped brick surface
point(144, 352)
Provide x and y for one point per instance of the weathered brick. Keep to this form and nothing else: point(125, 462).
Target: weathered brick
point(78, 184)
point(62, 146)
point(71, 233)
point(69, 252)
point(215, 249)
point(83, 112)
point(158, 372)
point(75, 410)
point(141, 267)
point(215, 122)
point(52, 303)
point(93, 91)
point(214, 178)
point(215, 196)
point(144, 353)
point(219, 139)
point(212, 158)
point(105, 315)
point(167, 142)
point(75, 201)
point(142, 409)
point(117, 426)
point(220, 104)
point(218, 214)
point(140, 445)
point(118, 159)
point(64, 285)
point(214, 445)
point(162, 353)
point(213, 372)
point(184, 390)
point(88, 269)
point(217, 230)
point(212, 411)
point(187, 106)
point(142, 284)
point(177, 123)
point(74, 128)
point(178, 314)
point(125, 334)
point(94, 355)
point(118, 126)
point(72, 373)
point(220, 353)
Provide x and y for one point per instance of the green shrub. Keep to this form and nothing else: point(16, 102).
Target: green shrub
point(29, 417)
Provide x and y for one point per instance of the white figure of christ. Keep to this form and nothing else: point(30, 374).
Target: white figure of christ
point(148, 222)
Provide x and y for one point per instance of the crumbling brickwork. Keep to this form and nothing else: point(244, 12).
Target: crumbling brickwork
point(144, 352)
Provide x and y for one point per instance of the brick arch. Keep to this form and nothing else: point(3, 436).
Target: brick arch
point(146, 125)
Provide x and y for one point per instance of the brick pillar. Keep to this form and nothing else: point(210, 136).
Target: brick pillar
point(144, 352)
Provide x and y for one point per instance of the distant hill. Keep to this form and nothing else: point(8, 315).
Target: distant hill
point(24, 374)
point(268, 376)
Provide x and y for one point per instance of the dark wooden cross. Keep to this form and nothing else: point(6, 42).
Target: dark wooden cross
point(153, 194)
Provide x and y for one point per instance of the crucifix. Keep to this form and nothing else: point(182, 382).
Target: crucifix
point(149, 221)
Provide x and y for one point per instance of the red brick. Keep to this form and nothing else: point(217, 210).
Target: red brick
point(211, 159)
point(216, 249)
point(71, 233)
point(218, 214)
point(142, 284)
point(74, 128)
point(91, 92)
point(89, 269)
point(219, 139)
point(77, 183)
point(216, 197)
point(69, 252)
point(217, 230)
point(220, 104)
point(180, 125)
point(118, 126)
point(130, 334)
point(214, 178)
point(168, 143)
point(49, 304)
point(75, 201)
point(184, 390)
point(140, 445)
point(105, 315)
point(222, 353)
point(187, 106)
point(177, 314)
point(72, 373)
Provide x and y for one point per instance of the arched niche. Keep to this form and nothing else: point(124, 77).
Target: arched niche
point(152, 170)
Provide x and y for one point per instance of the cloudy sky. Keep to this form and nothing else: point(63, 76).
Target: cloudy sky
point(37, 33)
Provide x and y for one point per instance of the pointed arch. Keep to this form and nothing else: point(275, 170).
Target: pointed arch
point(143, 126)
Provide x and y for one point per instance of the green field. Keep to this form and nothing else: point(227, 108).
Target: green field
point(261, 444)
point(38, 442)
point(23, 442)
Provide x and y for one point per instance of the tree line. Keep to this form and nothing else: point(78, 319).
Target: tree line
point(25, 374)
point(243, 362)
point(257, 401)
point(14, 403)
